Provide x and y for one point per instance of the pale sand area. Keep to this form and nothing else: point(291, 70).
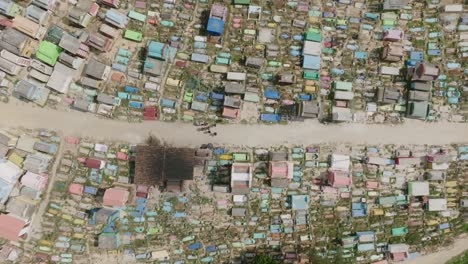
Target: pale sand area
point(444, 254)
point(72, 122)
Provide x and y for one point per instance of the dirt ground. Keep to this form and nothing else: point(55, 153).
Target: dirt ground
point(444, 254)
point(448, 2)
point(249, 112)
point(108, 259)
point(19, 114)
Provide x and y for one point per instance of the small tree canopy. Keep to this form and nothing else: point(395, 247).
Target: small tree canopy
point(264, 259)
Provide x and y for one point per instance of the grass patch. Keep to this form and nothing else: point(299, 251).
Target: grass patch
point(460, 259)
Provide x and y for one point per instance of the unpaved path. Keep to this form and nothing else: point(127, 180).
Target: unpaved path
point(310, 132)
point(443, 255)
point(37, 221)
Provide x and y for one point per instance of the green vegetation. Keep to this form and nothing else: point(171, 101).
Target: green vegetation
point(461, 259)
point(465, 228)
point(337, 258)
point(413, 238)
point(264, 259)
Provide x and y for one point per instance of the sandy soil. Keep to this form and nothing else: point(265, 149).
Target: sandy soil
point(448, 2)
point(309, 132)
point(443, 255)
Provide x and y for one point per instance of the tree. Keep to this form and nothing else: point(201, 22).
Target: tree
point(264, 259)
point(413, 238)
point(153, 140)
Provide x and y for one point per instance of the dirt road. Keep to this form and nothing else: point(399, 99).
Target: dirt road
point(443, 255)
point(309, 132)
